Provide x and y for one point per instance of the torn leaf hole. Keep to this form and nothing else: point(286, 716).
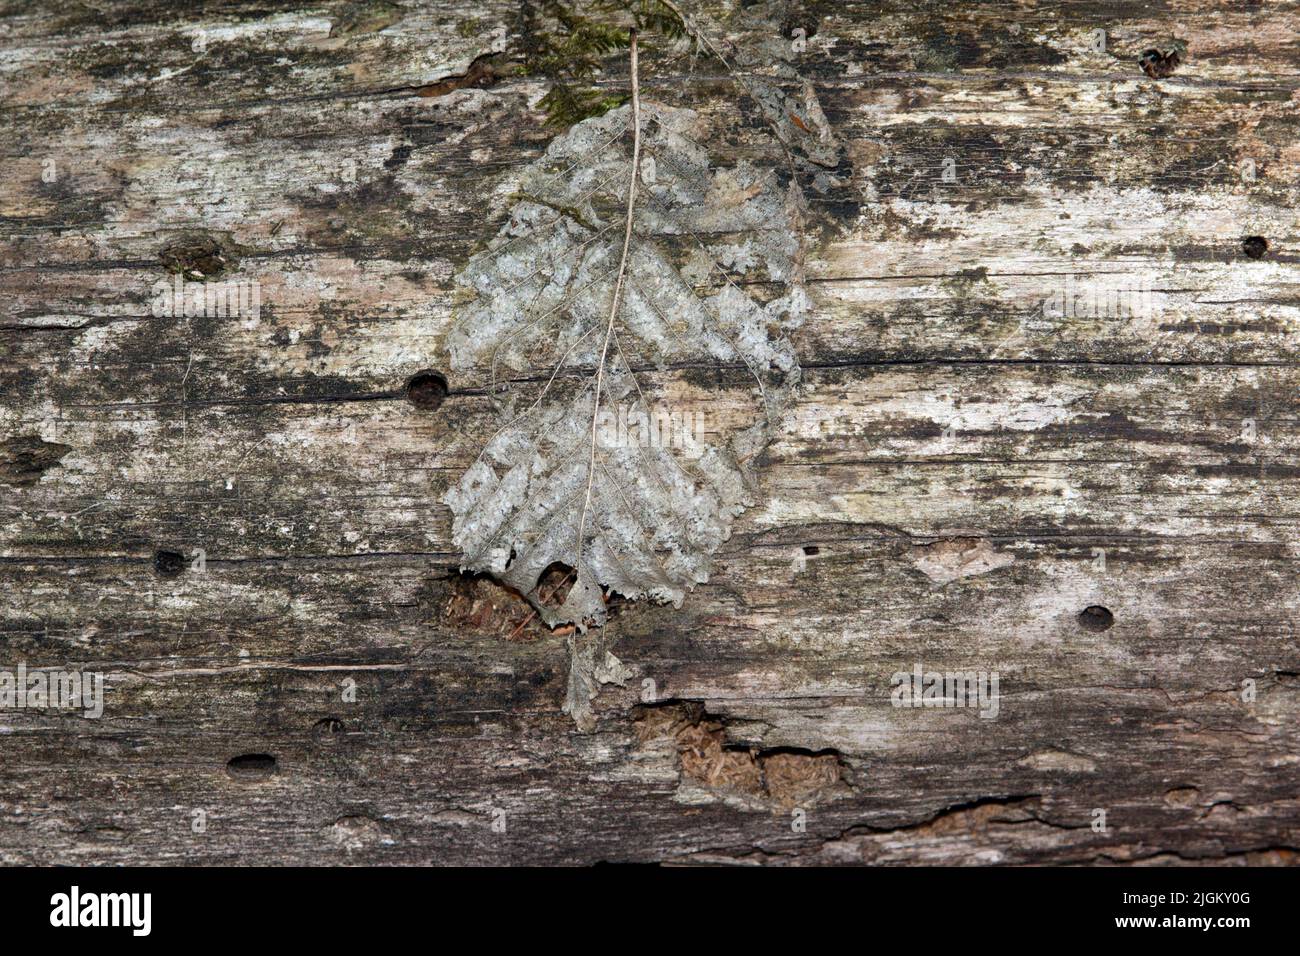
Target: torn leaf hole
point(478, 604)
point(554, 584)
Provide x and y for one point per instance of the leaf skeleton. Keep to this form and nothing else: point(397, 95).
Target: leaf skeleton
point(602, 276)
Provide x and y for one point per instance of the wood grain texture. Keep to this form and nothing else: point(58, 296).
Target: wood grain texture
point(961, 475)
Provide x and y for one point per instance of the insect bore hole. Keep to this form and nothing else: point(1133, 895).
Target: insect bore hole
point(168, 563)
point(1254, 246)
point(1159, 64)
point(327, 726)
point(251, 766)
point(1096, 618)
point(427, 390)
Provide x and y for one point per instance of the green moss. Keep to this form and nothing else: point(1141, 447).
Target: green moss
point(566, 105)
point(569, 45)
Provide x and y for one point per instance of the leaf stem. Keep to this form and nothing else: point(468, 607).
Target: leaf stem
point(618, 292)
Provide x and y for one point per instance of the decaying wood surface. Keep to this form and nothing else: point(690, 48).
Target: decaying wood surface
point(961, 476)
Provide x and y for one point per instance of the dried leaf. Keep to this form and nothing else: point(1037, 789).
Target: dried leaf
point(712, 276)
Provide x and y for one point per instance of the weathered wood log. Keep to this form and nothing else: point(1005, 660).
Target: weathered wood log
point(237, 518)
